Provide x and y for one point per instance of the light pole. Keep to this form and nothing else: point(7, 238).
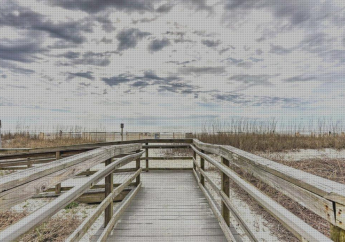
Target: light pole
point(122, 125)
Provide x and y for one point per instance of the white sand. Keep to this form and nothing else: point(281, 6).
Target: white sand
point(303, 154)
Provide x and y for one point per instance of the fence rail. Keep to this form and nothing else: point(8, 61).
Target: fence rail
point(321, 196)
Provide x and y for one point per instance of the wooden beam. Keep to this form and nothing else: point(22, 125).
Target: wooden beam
point(168, 158)
point(202, 167)
point(226, 189)
point(108, 181)
point(147, 157)
point(137, 166)
point(58, 186)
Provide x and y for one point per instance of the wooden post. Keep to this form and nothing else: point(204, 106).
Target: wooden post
point(202, 166)
point(137, 161)
point(109, 183)
point(337, 234)
point(29, 163)
point(147, 158)
point(194, 156)
point(226, 190)
point(58, 186)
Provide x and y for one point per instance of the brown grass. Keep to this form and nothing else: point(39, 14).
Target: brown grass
point(273, 142)
point(24, 141)
point(55, 229)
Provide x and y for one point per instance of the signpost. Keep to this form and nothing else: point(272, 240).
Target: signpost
point(122, 126)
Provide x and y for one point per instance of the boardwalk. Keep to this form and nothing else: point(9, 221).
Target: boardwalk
point(168, 203)
point(169, 207)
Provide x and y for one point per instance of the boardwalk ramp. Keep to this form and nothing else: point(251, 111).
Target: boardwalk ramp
point(169, 207)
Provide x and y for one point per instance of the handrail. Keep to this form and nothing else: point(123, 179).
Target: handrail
point(50, 209)
point(298, 227)
point(81, 230)
point(324, 197)
point(89, 146)
point(19, 186)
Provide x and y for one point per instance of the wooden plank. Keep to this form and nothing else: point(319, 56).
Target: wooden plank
point(299, 228)
point(168, 158)
point(51, 208)
point(178, 146)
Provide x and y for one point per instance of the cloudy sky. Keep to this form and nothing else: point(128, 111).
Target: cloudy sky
point(169, 65)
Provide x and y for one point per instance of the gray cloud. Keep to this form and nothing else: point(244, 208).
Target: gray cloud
point(279, 50)
point(116, 80)
point(129, 38)
point(157, 45)
point(178, 87)
point(87, 75)
point(22, 50)
point(201, 70)
point(15, 68)
point(165, 8)
point(70, 55)
point(300, 78)
point(147, 77)
point(211, 43)
point(252, 80)
point(92, 6)
point(26, 19)
point(259, 100)
point(88, 58)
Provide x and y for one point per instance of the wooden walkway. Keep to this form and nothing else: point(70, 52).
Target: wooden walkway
point(169, 207)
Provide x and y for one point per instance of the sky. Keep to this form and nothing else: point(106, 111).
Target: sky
point(169, 65)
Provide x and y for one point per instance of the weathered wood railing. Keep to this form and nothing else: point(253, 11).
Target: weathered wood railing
point(22, 160)
point(321, 196)
point(20, 186)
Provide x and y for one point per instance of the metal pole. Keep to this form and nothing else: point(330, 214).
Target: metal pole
point(122, 125)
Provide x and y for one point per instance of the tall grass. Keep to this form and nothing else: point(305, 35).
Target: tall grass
point(263, 136)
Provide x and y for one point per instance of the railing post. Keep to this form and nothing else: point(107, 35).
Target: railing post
point(58, 186)
point(137, 161)
point(202, 167)
point(226, 190)
point(29, 163)
point(108, 212)
point(194, 156)
point(147, 158)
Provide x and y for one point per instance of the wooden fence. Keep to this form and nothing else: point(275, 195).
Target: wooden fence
point(321, 196)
